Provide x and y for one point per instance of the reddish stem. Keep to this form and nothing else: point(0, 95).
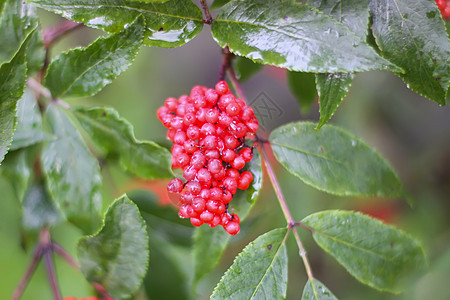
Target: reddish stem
point(208, 19)
point(52, 35)
point(65, 255)
point(30, 270)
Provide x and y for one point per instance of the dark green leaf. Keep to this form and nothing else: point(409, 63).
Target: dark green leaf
point(259, 271)
point(29, 123)
point(169, 24)
point(163, 220)
point(218, 4)
point(352, 13)
point(117, 256)
point(115, 135)
point(12, 85)
point(293, 36)
point(17, 21)
point(332, 160)
point(332, 88)
point(165, 278)
point(411, 34)
point(38, 209)
point(316, 290)
point(303, 86)
point(374, 253)
point(86, 71)
point(245, 68)
point(17, 168)
point(73, 174)
point(210, 243)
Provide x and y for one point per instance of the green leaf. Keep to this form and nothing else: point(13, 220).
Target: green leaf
point(35, 52)
point(12, 84)
point(29, 123)
point(218, 4)
point(210, 243)
point(374, 253)
point(169, 24)
point(117, 256)
point(86, 71)
point(412, 35)
point(294, 36)
point(332, 88)
point(165, 278)
point(316, 290)
point(114, 135)
point(333, 160)
point(73, 174)
point(352, 13)
point(245, 68)
point(38, 209)
point(18, 19)
point(163, 220)
point(259, 271)
point(303, 86)
point(17, 168)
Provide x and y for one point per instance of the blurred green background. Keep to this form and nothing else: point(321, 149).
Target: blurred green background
point(411, 132)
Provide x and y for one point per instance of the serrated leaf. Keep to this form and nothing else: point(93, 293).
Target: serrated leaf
point(303, 86)
point(12, 84)
point(316, 290)
point(18, 19)
point(259, 271)
point(38, 209)
point(115, 135)
point(332, 88)
point(333, 160)
point(29, 123)
point(35, 55)
point(293, 36)
point(374, 253)
point(169, 24)
point(72, 173)
point(218, 4)
point(17, 168)
point(210, 243)
point(86, 71)
point(352, 13)
point(117, 256)
point(412, 35)
point(245, 68)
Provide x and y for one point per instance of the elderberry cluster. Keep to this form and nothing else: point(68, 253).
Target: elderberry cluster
point(208, 129)
point(444, 7)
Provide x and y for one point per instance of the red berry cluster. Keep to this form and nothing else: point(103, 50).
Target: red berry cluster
point(444, 7)
point(208, 129)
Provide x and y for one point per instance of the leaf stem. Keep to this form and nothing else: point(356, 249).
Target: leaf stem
point(50, 268)
point(208, 18)
point(52, 35)
point(39, 89)
point(65, 255)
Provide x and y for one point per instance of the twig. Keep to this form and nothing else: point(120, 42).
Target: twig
point(30, 270)
point(226, 63)
point(41, 90)
point(65, 255)
point(285, 209)
point(52, 35)
point(50, 267)
point(208, 19)
point(274, 181)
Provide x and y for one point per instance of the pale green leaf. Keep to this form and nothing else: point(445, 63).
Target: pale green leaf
point(115, 135)
point(333, 160)
point(376, 254)
point(316, 290)
point(72, 173)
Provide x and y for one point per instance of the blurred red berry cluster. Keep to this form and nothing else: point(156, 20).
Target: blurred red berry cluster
point(444, 7)
point(208, 129)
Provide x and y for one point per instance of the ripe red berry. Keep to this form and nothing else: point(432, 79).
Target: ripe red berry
point(232, 228)
point(221, 87)
point(196, 222)
point(246, 154)
point(175, 186)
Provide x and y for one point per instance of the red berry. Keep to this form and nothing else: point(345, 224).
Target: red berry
point(246, 154)
point(233, 109)
point(221, 87)
point(238, 162)
point(228, 155)
point(214, 166)
point(215, 221)
point(230, 184)
point(232, 227)
point(211, 96)
point(175, 186)
point(197, 222)
point(182, 160)
point(198, 204)
point(206, 216)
